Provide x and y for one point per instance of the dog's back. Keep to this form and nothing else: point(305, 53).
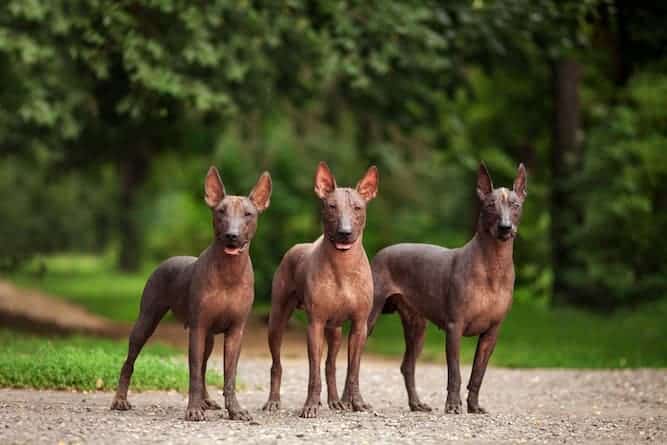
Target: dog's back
point(417, 272)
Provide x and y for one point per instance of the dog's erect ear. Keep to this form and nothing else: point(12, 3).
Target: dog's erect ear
point(520, 182)
point(325, 182)
point(261, 192)
point(214, 190)
point(368, 185)
point(484, 184)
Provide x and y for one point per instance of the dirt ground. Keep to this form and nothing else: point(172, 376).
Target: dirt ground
point(533, 406)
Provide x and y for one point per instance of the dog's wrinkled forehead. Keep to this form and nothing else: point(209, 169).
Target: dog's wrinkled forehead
point(346, 196)
point(236, 205)
point(503, 195)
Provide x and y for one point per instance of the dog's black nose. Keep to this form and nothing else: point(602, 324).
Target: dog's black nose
point(232, 236)
point(344, 232)
point(503, 227)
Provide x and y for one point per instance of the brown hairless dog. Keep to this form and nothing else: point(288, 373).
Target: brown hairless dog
point(331, 279)
point(211, 294)
point(465, 291)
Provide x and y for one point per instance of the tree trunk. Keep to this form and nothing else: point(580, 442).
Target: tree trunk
point(132, 172)
point(565, 157)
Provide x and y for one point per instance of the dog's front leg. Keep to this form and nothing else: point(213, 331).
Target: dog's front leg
point(485, 345)
point(357, 339)
point(452, 347)
point(196, 357)
point(334, 336)
point(233, 339)
point(315, 339)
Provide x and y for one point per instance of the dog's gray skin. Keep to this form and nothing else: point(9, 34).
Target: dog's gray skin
point(211, 294)
point(465, 291)
point(331, 279)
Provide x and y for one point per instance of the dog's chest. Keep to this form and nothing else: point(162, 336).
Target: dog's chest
point(335, 295)
point(487, 300)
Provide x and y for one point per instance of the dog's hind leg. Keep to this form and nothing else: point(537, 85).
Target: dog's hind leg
point(334, 337)
point(151, 312)
point(414, 329)
point(282, 306)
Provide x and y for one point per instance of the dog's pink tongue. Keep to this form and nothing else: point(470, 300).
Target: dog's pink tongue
point(232, 250)
point(341, 246)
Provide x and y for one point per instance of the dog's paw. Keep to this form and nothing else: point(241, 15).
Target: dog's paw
point(453, 407)
point(195, 414)
point(310, 411)
point(210, 404)
point(420, 407)
point(337, 405)
point(476, 409)
point(271, 406)
point(240, 414)
point(355, 403)
point(120, 404)
point(358, 404)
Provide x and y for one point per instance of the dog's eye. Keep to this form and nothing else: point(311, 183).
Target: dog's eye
point(357, 208)
point(332, 206)
point(248, 214)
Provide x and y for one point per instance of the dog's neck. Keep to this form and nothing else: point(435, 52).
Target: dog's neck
point(494, 254)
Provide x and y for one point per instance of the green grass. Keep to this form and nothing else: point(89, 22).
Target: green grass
point(86, 363)
point(90, 281)
point(534, 336)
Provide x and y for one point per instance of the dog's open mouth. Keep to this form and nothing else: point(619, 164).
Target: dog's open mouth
point(343, 246)
point(235, 250)
point(505, 236)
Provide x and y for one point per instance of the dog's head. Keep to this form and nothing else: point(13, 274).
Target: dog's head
point(501, 208)
point(344, 209)
point(235, 217)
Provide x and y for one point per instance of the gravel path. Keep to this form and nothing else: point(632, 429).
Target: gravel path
point(535, 406)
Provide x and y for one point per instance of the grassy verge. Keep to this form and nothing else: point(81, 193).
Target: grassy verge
point(86, 363)
point(91, 281)
point(534, 336)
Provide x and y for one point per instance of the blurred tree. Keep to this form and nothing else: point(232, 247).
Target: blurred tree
point(120, 81)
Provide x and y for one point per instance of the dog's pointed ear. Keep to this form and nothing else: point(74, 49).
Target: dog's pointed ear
point(261, 192)
point(520, 182)
point(367, 187)
point(484, 184)
point(325, 182)
point(214, 189)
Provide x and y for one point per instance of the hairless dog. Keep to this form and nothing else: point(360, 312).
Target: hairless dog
point(211, 294)
point(331, 279)
point(465, 291)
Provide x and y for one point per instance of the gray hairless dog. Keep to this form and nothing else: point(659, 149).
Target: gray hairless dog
point(465, 291)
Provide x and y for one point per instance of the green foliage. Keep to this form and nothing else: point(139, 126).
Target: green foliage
point(621, 193)
point(114, 110)
point(86, 363)
point(534, 336)
point(42, 212)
